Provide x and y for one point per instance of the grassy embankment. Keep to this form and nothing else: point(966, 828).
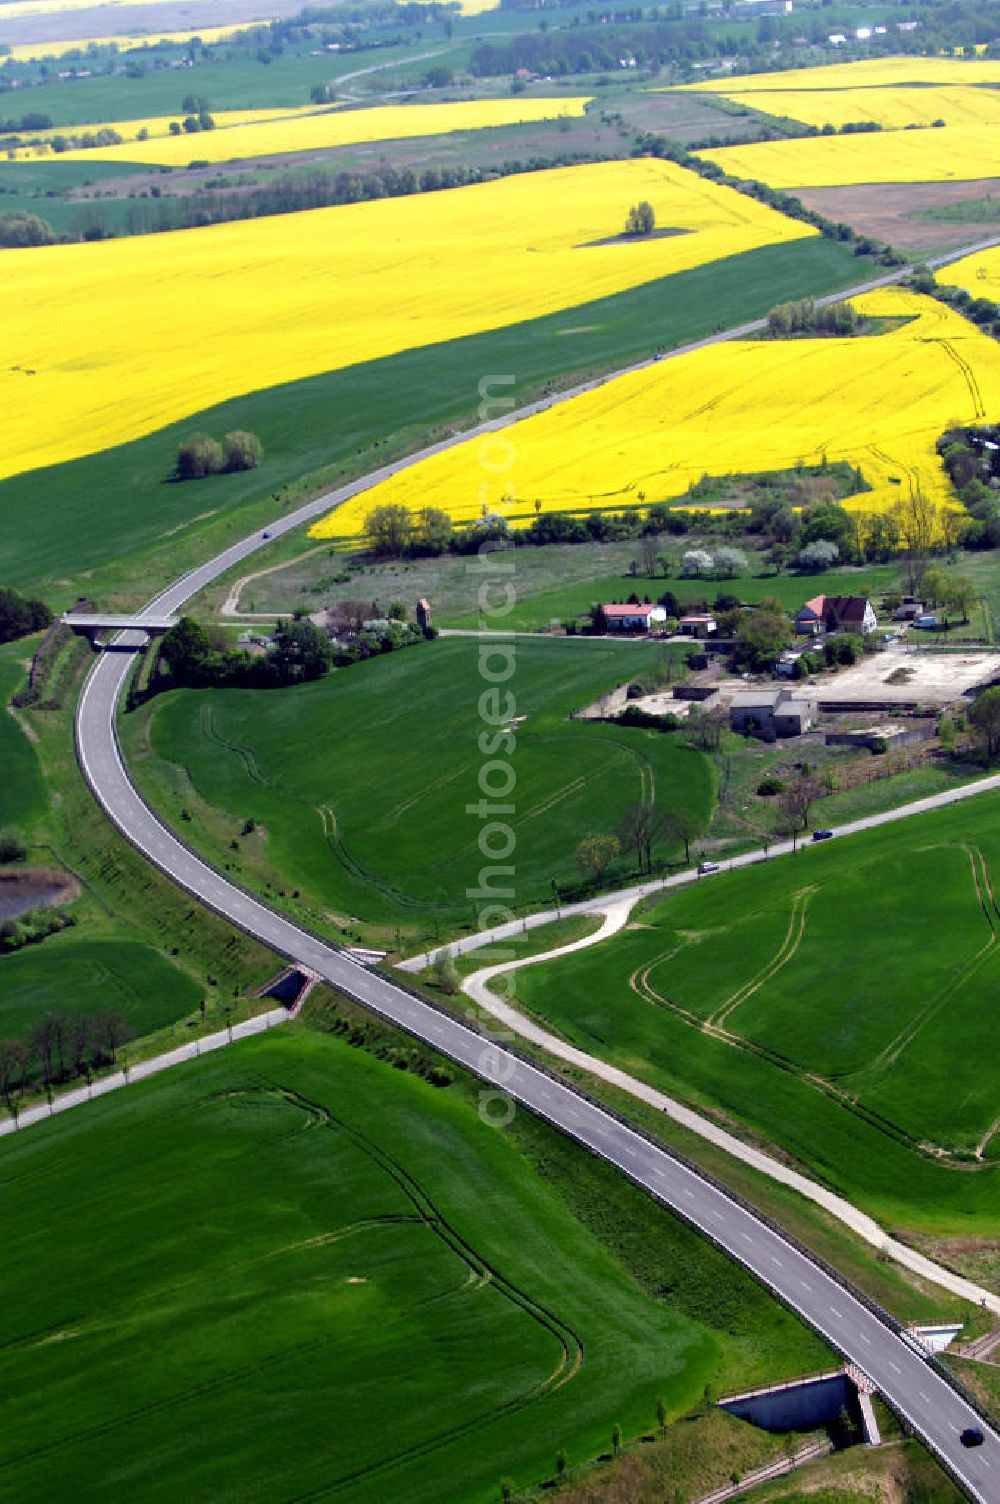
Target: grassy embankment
point(358, 784)
point(138, 529)
point(868, 1060)
point(138, 944)
point(411, 1279)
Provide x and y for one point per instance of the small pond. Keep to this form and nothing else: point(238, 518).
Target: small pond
point(24, 890)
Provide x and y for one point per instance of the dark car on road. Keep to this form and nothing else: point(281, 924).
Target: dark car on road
point(971, 1437)
point(822, 835)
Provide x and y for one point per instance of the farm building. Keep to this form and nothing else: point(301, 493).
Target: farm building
point(633, 618)
point(777, 712)
point(696, 624)
point(836, 613)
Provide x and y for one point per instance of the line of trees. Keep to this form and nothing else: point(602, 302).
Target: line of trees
point(153, 212)
point(61, 1047)
point(636, 837)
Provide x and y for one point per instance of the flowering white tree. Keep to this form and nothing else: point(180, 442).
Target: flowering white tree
point(697, 561)
point(730, 561)
point(818, 556)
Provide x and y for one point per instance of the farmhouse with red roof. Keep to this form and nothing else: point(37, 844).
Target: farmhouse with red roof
point(836, 613)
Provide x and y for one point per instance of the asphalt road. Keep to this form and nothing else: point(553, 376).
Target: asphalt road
point(932, 1407)
point(914, 1389)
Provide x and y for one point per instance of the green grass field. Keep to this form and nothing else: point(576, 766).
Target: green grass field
point(295, 1272)
point(839, 1004)
point(72, 974)
point(358, 783)
point(113, 524)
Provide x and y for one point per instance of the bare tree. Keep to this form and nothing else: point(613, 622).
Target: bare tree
point(649, 553)
point(346, 618)
point(639, 828)
point(13, 1071)
point(683, 825)
point(60, 1038)
point(706, 727)
point(112, 1031)
point(42, 1044)
point(798, 799)
point(79, 1042)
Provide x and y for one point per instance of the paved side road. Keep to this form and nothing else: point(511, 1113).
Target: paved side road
point(630, 896)
point(477, 986)
point(927, 1401)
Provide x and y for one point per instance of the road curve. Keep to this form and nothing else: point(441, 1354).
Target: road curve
point(910, 1384)
point(869, 1339)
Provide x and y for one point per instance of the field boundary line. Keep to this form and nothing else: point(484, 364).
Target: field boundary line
point(866, 1227)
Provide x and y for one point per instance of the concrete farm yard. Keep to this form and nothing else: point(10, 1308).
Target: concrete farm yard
point(261, 285)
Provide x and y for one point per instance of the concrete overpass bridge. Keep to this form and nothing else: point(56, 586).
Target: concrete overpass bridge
point(140, 627)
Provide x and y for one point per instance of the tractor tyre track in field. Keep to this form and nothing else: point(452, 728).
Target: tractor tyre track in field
point(784, 953)
point(888, 1057)
point(424, 1213)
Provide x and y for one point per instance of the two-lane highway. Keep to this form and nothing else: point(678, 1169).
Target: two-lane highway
point(933, 1408)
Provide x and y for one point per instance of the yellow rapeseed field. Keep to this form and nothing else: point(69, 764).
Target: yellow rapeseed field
point(979, 274)
point(105, 342)
point(956, 152)
point(310, 132)
point(878, 402)
point(25, 51)
point(155, 125)
point(868, 73)
point(893, 109)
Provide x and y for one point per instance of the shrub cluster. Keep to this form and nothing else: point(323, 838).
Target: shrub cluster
point(21, 616)
point(200, 455)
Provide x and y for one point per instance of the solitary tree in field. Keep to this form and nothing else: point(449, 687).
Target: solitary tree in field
point(985, 717)
point(641, 219)
point(595, 854)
